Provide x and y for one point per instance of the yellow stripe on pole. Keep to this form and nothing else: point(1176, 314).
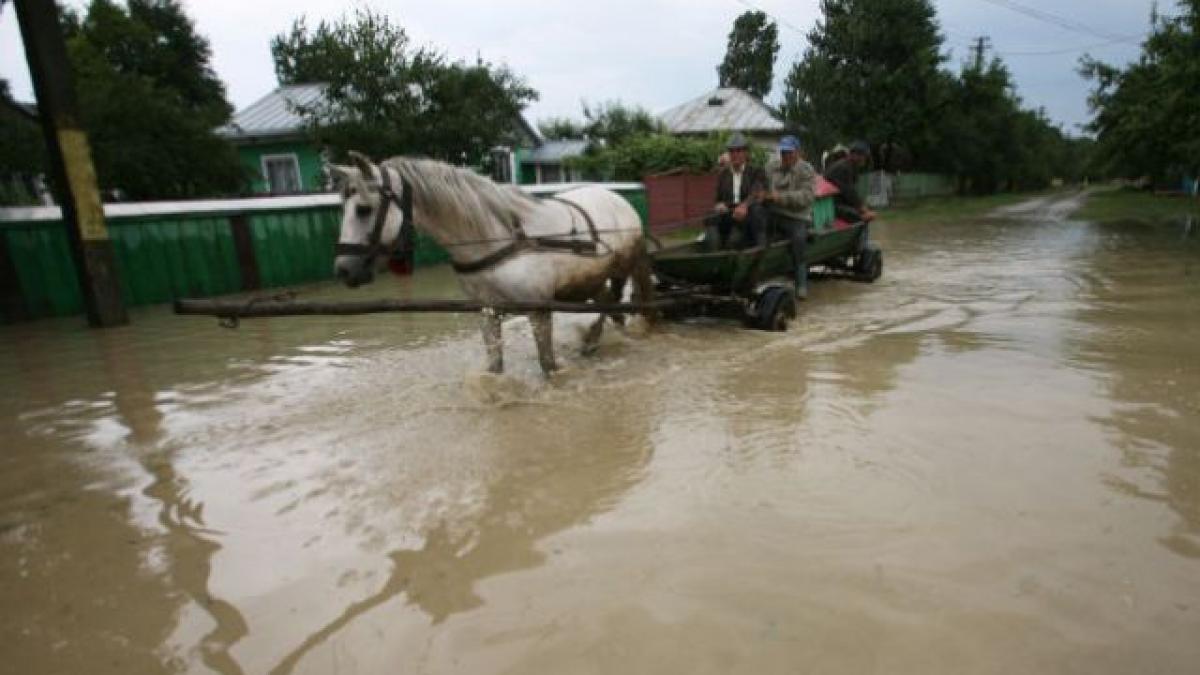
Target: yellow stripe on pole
point(77, 156)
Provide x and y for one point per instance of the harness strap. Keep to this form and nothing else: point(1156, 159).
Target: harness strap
point(387, 197)
point(489, 259)
point(522, 241)
point(587, 218)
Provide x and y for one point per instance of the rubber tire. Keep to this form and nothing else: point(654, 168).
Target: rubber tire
point(868, 266)
point(776, 307)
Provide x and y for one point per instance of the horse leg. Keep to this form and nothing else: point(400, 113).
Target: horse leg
point(492, 340)
point(643, 283)
point(543, 337)
point(616, 287)
point(591, 339)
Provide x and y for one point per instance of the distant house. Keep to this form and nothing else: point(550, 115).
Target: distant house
point(273, 143)
point(723, 110)
point(547, 162)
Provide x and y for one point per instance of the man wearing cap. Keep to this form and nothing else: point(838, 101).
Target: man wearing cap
point(791, 185)
point(844, 174)
point(738, 188)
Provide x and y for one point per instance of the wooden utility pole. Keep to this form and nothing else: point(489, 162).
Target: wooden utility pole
point(71, 162)
point(981, 45)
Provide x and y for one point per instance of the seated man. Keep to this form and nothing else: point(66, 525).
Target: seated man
point(737, 203)
point(844, 174)
point(791, 185)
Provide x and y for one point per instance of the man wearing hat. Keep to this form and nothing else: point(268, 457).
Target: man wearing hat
point(844, 174)
point(738, 188)
point(791, 185)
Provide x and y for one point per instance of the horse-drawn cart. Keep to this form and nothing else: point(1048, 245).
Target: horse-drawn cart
point(516, 255)
point(755, 284)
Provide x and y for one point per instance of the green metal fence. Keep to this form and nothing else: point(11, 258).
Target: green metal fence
point(171, 250)
point(901, 186)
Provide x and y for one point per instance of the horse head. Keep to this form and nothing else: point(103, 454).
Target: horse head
point(376, 204)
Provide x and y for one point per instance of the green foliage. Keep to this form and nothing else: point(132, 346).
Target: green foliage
point(150, 101)
point(22, 151)
point(1129, 204)
point(612, 122)
point(872, 70)
point(647, 154)
point(1145, 116)
point(558, 128)
point(749, 62)
point(385, 97)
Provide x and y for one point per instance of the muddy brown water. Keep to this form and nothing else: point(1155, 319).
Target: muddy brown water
point(988, 462)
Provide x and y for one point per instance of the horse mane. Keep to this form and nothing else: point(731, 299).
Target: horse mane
point(448, 194)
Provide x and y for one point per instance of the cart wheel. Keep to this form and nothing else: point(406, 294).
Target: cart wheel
point(775, 308)
point(868, 266)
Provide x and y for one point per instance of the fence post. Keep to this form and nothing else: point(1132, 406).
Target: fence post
point(243, 244)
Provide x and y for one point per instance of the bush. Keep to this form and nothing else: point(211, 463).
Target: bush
point(648, 154)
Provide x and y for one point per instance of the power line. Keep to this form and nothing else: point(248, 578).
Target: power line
point(1061, 22)
point(1069, 50)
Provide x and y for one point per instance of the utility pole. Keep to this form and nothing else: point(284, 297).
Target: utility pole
point(71, 162)
point(981, 45)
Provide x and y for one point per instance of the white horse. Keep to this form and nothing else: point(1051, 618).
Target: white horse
point(506, 246)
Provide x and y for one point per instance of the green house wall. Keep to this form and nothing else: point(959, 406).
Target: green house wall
point(307, 157)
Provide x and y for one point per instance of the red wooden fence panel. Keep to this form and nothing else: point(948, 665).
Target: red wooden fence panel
point(679, 200)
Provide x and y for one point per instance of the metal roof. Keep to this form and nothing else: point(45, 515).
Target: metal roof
point(554, 152)
point(274, 114)
point(724, 109)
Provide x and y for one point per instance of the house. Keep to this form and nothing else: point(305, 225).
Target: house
point(273, 143)
point(547, 162)
point(724, 110)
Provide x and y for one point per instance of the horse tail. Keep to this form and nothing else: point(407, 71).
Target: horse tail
point(643, 282)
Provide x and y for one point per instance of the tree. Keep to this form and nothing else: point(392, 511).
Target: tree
point(22, 151)
point(1145, 116)
point(871, 71)
point(750, 56)
point(557, 128)
point(612, 122)
point(151, 101)
point(385, 97)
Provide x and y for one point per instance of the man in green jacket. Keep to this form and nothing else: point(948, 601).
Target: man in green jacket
point(791, 186)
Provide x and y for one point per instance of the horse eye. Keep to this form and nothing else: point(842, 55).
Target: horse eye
point(363, 210)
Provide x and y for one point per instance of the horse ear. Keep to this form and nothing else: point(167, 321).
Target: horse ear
point(363, 163)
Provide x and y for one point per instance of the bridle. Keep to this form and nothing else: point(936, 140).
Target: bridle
point(388, 197)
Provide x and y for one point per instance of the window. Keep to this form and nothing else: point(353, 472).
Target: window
point(282, 173)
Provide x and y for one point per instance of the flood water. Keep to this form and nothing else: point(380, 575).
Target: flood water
point(988, 462)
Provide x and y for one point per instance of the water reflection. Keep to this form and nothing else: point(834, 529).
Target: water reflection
point(1144, 325)
point(555, 462)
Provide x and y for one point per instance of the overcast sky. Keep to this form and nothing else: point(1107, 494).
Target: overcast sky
point(653, 53)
